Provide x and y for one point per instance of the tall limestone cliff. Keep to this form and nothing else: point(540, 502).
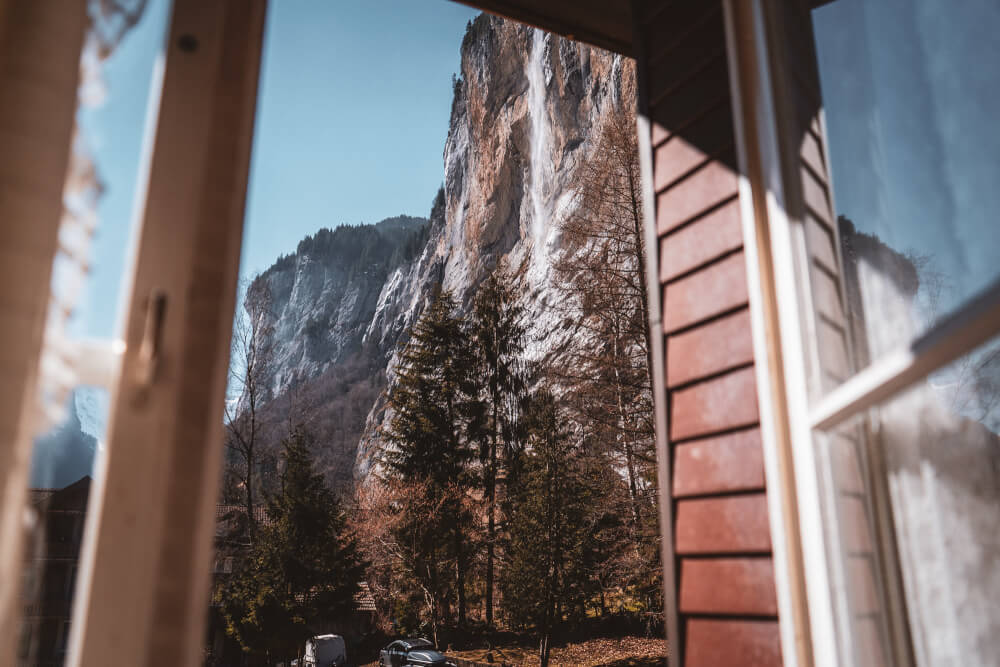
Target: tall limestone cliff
point(525, 115)
point(322, 298)
point(315, 366)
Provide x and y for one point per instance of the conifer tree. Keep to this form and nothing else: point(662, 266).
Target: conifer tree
point(428, 448)
point(500, 335)
point(546, 577)
point(303, 568)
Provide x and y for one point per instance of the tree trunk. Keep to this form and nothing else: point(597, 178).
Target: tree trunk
point(460, 567)
point(633, 490)
point(431, 599)
point(543, 650)
point(640, 256)
point(491, 519)
point(249, 495)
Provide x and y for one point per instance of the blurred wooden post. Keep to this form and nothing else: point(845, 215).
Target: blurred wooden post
point(40, 44)
point(147, 556)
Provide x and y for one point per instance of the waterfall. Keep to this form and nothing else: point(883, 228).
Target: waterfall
point(541, 163)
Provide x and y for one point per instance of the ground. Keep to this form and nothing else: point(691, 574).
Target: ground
point(623, 652)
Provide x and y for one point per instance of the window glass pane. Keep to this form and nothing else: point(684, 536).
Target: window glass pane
point(910, 92)
point(116, 74)
point(930, 459)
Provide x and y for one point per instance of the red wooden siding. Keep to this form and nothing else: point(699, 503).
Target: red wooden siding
point(723, 344)
point(705, 466)
point(724, 524)
point(727, 586)
point(713, 642)
point(725, 594)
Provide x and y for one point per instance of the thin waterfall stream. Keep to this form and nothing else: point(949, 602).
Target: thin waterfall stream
point(541, 163)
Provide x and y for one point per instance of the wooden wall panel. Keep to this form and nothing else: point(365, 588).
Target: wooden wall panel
point(710, 237)
point(721, 345)
point(728, 586)
point(723, 403)
point(714, 184)
point(725, 595)
point(714, 290)
point(723, 524)
point(714, 642)
point(705, 466)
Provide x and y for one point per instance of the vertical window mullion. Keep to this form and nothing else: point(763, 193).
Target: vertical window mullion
point(787, 361)
point(146, 562)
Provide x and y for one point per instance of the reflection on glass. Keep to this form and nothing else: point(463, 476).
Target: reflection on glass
point(934, 453)
point(912, 487)
point(116, 69)
point(911, 98)
point(858, 563)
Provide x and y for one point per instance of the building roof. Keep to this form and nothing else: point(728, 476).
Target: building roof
point(36, 496)
point(72, 498)
point(603, 23)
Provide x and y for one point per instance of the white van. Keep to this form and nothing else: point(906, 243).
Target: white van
point(325, 651)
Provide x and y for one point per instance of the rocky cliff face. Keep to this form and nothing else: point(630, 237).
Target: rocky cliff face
point(322, 299)
point(522, 119)
point(524, 116)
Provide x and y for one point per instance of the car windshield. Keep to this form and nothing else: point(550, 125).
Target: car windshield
point(419, 643)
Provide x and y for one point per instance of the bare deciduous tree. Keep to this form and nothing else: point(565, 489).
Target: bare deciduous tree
point(250, 367)
point(606, 363)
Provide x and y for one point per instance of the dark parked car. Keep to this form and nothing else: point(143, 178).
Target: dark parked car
point(412, 652)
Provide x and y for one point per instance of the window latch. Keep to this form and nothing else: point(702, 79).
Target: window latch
point(152, 338)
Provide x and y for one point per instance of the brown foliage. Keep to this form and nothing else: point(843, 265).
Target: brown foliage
point(605, 363)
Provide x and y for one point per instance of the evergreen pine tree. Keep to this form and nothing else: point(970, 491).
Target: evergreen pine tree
point(546, 579)
point(500, 334)
point(303, 569)
point(428, 448)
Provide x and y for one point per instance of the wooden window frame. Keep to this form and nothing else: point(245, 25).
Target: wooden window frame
point(779, 304)
point(146, 560)
point(40, 46)
point(961, 332)
point(145, 569)
point(782, 312)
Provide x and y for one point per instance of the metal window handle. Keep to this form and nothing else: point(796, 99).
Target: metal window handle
point(152, 337)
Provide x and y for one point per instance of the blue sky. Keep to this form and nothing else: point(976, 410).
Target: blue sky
point(352, 119)
point(114, 134)
point(910, 105)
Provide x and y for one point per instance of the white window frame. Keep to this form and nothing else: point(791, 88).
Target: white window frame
point(975, 322)
point(781, 315)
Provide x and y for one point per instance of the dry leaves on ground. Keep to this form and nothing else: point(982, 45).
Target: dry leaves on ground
point(623, 652)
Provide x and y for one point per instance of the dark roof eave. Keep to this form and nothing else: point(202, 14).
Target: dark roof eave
point(603, 23)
